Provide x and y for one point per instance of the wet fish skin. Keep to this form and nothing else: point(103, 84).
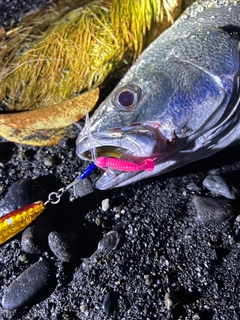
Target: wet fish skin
point(185, 88)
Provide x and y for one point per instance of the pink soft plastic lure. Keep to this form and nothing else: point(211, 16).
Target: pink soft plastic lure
point(123, 165)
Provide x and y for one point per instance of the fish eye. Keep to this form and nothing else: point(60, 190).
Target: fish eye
point(127, 97)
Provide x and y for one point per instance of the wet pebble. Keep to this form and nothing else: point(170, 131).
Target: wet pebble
point(110, 241)
point(27, 242)
point(106, 204)
point(63, 245)
point(83, 307)
point(220, 186)
point(49, 161)
point(192, 186)
point(110, 302)
point(213, 209)
point(196, 316)
point(82, 188)
point(29, 285)
point(170, 300)
point(35, 238)
point(20, 194)
point(67, 144)
point(98, 221)
point(23, 258)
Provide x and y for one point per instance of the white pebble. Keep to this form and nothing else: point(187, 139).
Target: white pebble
point(106, 204)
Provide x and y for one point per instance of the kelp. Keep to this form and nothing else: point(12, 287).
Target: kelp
point(67, 48)
point(79, 50)
point(48, 125)
point(21, 36)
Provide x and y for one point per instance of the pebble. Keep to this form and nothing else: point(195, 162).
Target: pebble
point(98, 221)
point(192, 186)
point(67, 144)
point(83, 307)
point(110, 241)
point(49, 161)
point(35, 237)
point(63, 245)
point(22, 258)
point(213, 209)
point(148, 280)
point(27, 242)
point(82, 188)
point(170, 301)
point(106, 204)
point(29, 285)
point(196, 316)
point(218, 185)
point(110, 302)
point(20, 194)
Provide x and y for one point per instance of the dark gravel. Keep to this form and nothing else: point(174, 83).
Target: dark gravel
point(12, 10)
point(167, 264)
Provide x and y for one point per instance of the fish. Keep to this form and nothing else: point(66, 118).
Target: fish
point(178, 103)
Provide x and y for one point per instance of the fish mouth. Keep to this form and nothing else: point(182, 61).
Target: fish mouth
point(134, 143)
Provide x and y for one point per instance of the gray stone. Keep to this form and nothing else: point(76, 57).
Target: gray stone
point(82, 188)
point(35, 237)
point(213, 209)
point(218, 185)
point(62, 245)
point(27, 286)
point(110, 302)
point(110, 241)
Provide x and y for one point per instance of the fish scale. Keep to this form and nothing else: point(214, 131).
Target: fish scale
point(185, 93)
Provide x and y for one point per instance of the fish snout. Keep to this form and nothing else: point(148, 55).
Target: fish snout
point(135, 141)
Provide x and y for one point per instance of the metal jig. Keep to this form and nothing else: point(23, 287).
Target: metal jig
point(17, 220)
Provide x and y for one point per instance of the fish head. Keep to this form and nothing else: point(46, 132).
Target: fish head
point(170, 113)
point(124, 126)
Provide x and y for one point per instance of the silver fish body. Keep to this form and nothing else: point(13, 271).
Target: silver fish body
point(178, 103)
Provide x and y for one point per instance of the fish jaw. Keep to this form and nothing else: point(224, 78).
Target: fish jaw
point(173, 155)
point(134, 143)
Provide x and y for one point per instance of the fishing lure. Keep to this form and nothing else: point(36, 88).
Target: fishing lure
point(17, 220)
point(123, 165)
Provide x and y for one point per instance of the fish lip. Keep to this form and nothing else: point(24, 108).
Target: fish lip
point(146, 140)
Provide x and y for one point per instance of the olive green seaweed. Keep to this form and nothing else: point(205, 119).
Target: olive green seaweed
point(79, 50)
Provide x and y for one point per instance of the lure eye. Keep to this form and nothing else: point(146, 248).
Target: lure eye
point(127, 97)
